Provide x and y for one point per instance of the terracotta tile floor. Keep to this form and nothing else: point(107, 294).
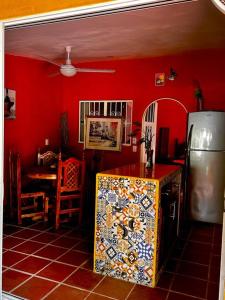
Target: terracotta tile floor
point(39, 263)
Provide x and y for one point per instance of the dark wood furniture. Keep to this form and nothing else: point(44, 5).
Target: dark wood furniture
point(163, 148)
point(46, 158)
point(24, 202)
point(42, 173)
point(70, 189)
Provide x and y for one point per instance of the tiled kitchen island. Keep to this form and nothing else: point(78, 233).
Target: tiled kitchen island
point(136, 221)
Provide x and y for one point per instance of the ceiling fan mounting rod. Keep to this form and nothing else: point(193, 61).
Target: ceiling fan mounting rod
point(68, 51)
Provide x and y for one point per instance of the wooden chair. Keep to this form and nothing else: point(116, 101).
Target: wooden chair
point(46, 158)
point(70, 189)
point(24, 202)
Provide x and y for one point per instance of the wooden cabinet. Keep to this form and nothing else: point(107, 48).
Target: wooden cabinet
point(136, 221)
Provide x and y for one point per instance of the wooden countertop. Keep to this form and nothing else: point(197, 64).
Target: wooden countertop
point(157, 172)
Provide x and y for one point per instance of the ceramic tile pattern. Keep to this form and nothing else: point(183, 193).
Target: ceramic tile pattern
point(42, 275)
point(126, 229)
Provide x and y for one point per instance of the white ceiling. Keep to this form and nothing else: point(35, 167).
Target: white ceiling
point(142, 33)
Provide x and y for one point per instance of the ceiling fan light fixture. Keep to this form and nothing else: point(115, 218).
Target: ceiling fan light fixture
point(220, 4)
point(68, 70)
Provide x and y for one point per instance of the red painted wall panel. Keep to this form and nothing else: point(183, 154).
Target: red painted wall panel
point(38, 104)
point(134, 79)
point(40, 99)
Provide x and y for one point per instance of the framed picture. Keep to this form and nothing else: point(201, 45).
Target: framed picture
point(159, 79)
point(103, 133)
point(10, 104)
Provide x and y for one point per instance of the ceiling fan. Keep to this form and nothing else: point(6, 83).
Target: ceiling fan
point(69, 70)
point(220, 4)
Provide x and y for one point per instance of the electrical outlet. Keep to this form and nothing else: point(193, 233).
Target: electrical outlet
point(134, 140)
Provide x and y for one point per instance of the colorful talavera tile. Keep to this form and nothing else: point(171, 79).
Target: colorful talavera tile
point(126, 228)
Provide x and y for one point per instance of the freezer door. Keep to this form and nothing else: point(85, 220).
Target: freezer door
point(206, 186)
point(208, 130)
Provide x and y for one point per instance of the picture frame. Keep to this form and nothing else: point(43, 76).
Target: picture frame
point(9, 104)
point(160, 79)
point(103, 133)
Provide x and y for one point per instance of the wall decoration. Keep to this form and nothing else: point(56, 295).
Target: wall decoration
point(159, 79)
point(103, 133)
point(10, 104)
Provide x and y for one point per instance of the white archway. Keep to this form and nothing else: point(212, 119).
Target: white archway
point(149, 123)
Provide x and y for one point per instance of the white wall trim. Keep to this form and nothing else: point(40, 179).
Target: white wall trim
point(1, 139)
point(170, 99)
point(90, 10)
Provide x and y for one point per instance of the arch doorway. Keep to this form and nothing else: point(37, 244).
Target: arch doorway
point(165, 119)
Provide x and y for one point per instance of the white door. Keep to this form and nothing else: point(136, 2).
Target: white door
point(149, 124)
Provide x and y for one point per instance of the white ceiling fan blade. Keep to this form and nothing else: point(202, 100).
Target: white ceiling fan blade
point(95, 70)
point(53, 75)
point(49, 61)
point(36, 57)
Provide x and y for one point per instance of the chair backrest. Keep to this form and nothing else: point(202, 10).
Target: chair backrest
point(46, 158)
point(15, 177)
point(71, 174)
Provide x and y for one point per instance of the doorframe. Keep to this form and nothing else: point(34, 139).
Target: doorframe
point(142, 152)
point(2, 60)
point(75, 13)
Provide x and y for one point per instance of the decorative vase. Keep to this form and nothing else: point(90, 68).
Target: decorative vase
point(149, 162)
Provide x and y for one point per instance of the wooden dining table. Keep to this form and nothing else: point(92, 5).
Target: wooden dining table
point(42, 173)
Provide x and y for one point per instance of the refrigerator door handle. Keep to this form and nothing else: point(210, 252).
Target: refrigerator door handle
point(186, 169)
point(189, 137)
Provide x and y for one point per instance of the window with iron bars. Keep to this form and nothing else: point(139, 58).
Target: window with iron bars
point(107, 108)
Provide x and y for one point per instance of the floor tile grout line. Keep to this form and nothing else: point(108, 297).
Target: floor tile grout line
point(27, 240)
point(60, 235)
point(63, 281)
point(99, 294)
point(33, 255)
point(131, 290)
point(210, 262)
point(23, 229)
point(26, 256)
point(20, 284)
point(65, 284)
point(98, 283)
point(44, 245)
point(184, 294)
point(35, 275)
point(194, 297)
point(190, 261)
point(189, 276)
point(40, 232)
point(182, 253)
point(167, 295)
point(90, 292)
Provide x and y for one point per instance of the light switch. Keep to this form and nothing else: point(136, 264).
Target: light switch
point(134, 148)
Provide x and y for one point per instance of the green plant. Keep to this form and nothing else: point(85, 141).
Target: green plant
point(145, 137)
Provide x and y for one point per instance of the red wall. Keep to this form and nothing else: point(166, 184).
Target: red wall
point(173, 116)
point(134, 79)
point(38, 104)
point(40, 98)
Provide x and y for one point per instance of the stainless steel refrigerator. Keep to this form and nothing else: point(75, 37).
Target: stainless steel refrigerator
point(206, 165)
